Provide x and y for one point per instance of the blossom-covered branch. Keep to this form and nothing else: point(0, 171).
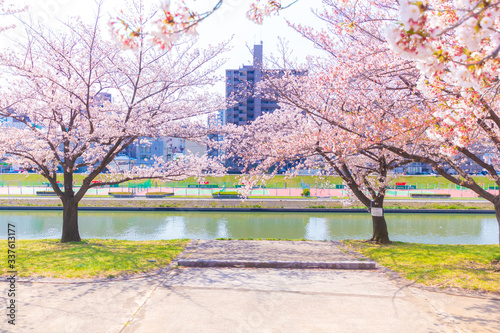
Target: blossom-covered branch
point(167, 23)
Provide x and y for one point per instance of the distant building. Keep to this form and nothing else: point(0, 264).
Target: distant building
point(194, 148)
point(12, 123)
point(221, 119)
point(415, 168)
point(240, 87)
point(123, 162)
point(240, 83)
point(100, 98)
point(144, 150)
point(172, 147)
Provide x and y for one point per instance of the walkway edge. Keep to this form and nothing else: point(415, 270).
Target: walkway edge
point(278, 264)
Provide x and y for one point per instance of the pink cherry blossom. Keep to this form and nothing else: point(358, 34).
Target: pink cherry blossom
point(59, 97)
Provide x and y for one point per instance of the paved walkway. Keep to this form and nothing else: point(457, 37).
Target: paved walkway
point(268, 250)
point(249, 299)
point(272, 254)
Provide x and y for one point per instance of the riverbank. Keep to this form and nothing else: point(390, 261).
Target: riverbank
point(318, 205)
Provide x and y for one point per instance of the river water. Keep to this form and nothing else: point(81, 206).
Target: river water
point(418, 228)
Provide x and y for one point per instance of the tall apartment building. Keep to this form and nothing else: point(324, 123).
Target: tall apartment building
point(240, 83)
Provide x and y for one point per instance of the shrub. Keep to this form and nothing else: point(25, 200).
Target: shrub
point(46, 193)
point(121, 194)
point(227, 193)
point(306, 192)
point(158, 194)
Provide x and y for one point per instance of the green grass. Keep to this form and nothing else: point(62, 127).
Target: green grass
point(431, 206)
point(466, 267)
point(34, 177)
point(267, 202)
point(426, 199)
point(267, 239)
point(278, 181)
point(159, 193)
point(90, 258)
point(278, 197)
point(226, 193)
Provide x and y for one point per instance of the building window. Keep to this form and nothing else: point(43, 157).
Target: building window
point(145, 150)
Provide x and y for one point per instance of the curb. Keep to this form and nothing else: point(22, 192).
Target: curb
point(278, 264)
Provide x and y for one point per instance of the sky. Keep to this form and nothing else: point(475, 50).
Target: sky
point(228, 22)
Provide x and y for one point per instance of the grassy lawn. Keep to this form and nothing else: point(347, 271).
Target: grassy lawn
point(439, 205)
point(34, 177)
point(91, 258)
point(279, 181)
point(279, 197)
point(467, 267)
point(182, 201)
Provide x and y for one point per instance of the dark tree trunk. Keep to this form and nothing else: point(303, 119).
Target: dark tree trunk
point(70, 231)
point(497, 213)
point(380, 234)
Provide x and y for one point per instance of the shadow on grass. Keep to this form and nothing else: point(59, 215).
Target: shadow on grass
point(94, 258)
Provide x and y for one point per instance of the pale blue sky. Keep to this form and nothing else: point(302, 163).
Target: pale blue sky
point(229, 21)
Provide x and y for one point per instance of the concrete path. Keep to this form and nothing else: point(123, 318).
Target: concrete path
point(268, 250)
point(272, 254)
point(248, 300)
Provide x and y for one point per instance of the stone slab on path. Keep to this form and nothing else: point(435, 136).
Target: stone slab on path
point(272, 254)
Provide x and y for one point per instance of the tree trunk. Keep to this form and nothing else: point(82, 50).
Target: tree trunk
point(380, 234)
point(497, 213)
point(70, 231)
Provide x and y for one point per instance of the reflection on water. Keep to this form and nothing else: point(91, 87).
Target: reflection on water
point(419, 228)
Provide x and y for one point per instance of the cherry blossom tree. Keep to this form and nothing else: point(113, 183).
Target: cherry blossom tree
point(307, 139)
point(55, 84)
point(455, 46)
point(335, 117)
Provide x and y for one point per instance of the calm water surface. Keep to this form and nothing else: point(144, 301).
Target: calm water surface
point(419, 228)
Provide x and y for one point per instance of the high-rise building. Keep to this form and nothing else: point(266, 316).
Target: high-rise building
point(240, 86)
